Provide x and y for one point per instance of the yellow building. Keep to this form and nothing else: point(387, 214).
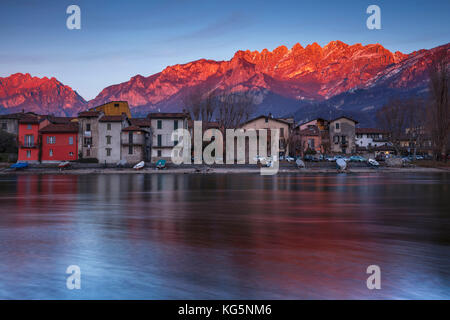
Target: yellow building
point(114, 108)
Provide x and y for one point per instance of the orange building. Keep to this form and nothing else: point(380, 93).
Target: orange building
point(114, 108)
point(28, 139)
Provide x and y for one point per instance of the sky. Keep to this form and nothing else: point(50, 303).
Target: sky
point(120, 39)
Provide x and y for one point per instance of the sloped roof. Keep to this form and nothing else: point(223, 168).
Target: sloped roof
point(140, 122)
point(133, 128)
point(369, 130)
point(60, 128)
point(89, 114)
point(167, 115)
point(111, 119)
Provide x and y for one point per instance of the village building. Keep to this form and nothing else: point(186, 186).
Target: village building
point(342, 135)
point(146, 125)
point(269, 123)
point(370, 137)
point(59, 142)
point(10, 122)
point(88, 139)
point(113, 108)
point(163, 124)
point(133, 144)
point(28, 139)
point(109, 135)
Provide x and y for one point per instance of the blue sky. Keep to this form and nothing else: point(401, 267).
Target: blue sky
point(119, 39)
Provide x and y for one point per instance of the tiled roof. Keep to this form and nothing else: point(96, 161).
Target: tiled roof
point(369, 130)
point(341, 117)
point(60, 119)
point(18, 115)
point(167, 115)
point(310, 131)
point(140, 122)
point(132, 128)
point(89, 114)
point(111, 119)
point(268, 117)
point(60, 127)
point(29, 119)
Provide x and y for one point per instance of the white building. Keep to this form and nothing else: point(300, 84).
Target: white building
point(163, 124)
point(369, 138)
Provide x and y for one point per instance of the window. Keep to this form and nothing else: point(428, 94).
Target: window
point(159, 124)
point(311, 143)
point(130, 137)
point(88, 152)
point(29, 126)
point(88, 142)
point(108, 139)
point(282, 132)
point(336, 139)
point(267, 119)
point(159, 153)
point(70, 140)
point(130, 149)
point(108, 152)
point(70, 154)
point(50, 152)
point(29, 140)
point(175, 124)
point(116, 105)
point(159, 140)
point(4, 126)
point(344, 139)
point(88, 127)
point(28, 153)
point(108, 126)
point(337, 125)
point(51, 140)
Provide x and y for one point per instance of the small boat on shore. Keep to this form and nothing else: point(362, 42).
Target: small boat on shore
point(160, 164)
point(64, 164)
point(139, 166)
point(19, 165)
point(373, 163)
point(341, 164)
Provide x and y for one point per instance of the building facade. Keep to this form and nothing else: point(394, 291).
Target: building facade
point(88, 139)
point(113, 108)
point(109, 137)
point(342, 135)
point(163, 124)
point(269, 123)
point(28, 140)
point(59, 142)
point(370, 137)
point(133, 143)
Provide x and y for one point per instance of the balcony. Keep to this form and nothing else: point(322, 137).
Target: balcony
point(88, 134)
point(28, 145)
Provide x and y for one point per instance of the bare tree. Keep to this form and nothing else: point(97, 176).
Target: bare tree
point(438, 111)
point(200, 106)
point(416, 122)
point(234, 109)
point(392, 117)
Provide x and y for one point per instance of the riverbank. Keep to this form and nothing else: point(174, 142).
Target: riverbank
point(230, 169)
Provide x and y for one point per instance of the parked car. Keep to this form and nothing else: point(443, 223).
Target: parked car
point(357, 159)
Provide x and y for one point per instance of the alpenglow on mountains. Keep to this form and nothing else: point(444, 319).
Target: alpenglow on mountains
point(303, 81)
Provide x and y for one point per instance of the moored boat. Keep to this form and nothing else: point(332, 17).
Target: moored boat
point(139, 166)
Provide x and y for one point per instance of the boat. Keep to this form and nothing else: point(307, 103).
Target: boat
point(64, 164)
point(19, 165)
point(373, 163)
point(300, 163)
point(161, 164)
point(342, 164)
point(139, 166)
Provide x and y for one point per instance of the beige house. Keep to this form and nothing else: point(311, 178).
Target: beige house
point(268, 123)
point(342, 135)
point(109, 135)
point(163, 124)
point(133, 143)
point(88, 134)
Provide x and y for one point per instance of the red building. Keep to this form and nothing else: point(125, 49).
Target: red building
point(59, 142)
point(28, 139)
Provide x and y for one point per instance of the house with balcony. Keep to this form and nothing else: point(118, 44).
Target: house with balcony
point(59, 142)
point(163, 124)
point(88, 138)
point(133, 143)
point(28, 139)
point(342, 135)
point(146, 125)
point(372, 139)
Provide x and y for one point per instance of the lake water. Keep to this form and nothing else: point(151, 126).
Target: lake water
point(187, 236)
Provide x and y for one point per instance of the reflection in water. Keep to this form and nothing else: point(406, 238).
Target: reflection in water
point(224, 236)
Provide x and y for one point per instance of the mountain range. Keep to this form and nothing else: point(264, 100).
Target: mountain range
point(302, 81)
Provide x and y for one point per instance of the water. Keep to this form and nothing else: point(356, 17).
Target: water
point(178, 236)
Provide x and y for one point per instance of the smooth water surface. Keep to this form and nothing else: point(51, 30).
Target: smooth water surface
point(187, 236)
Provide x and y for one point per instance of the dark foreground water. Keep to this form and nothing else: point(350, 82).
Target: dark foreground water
point(225, 236)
